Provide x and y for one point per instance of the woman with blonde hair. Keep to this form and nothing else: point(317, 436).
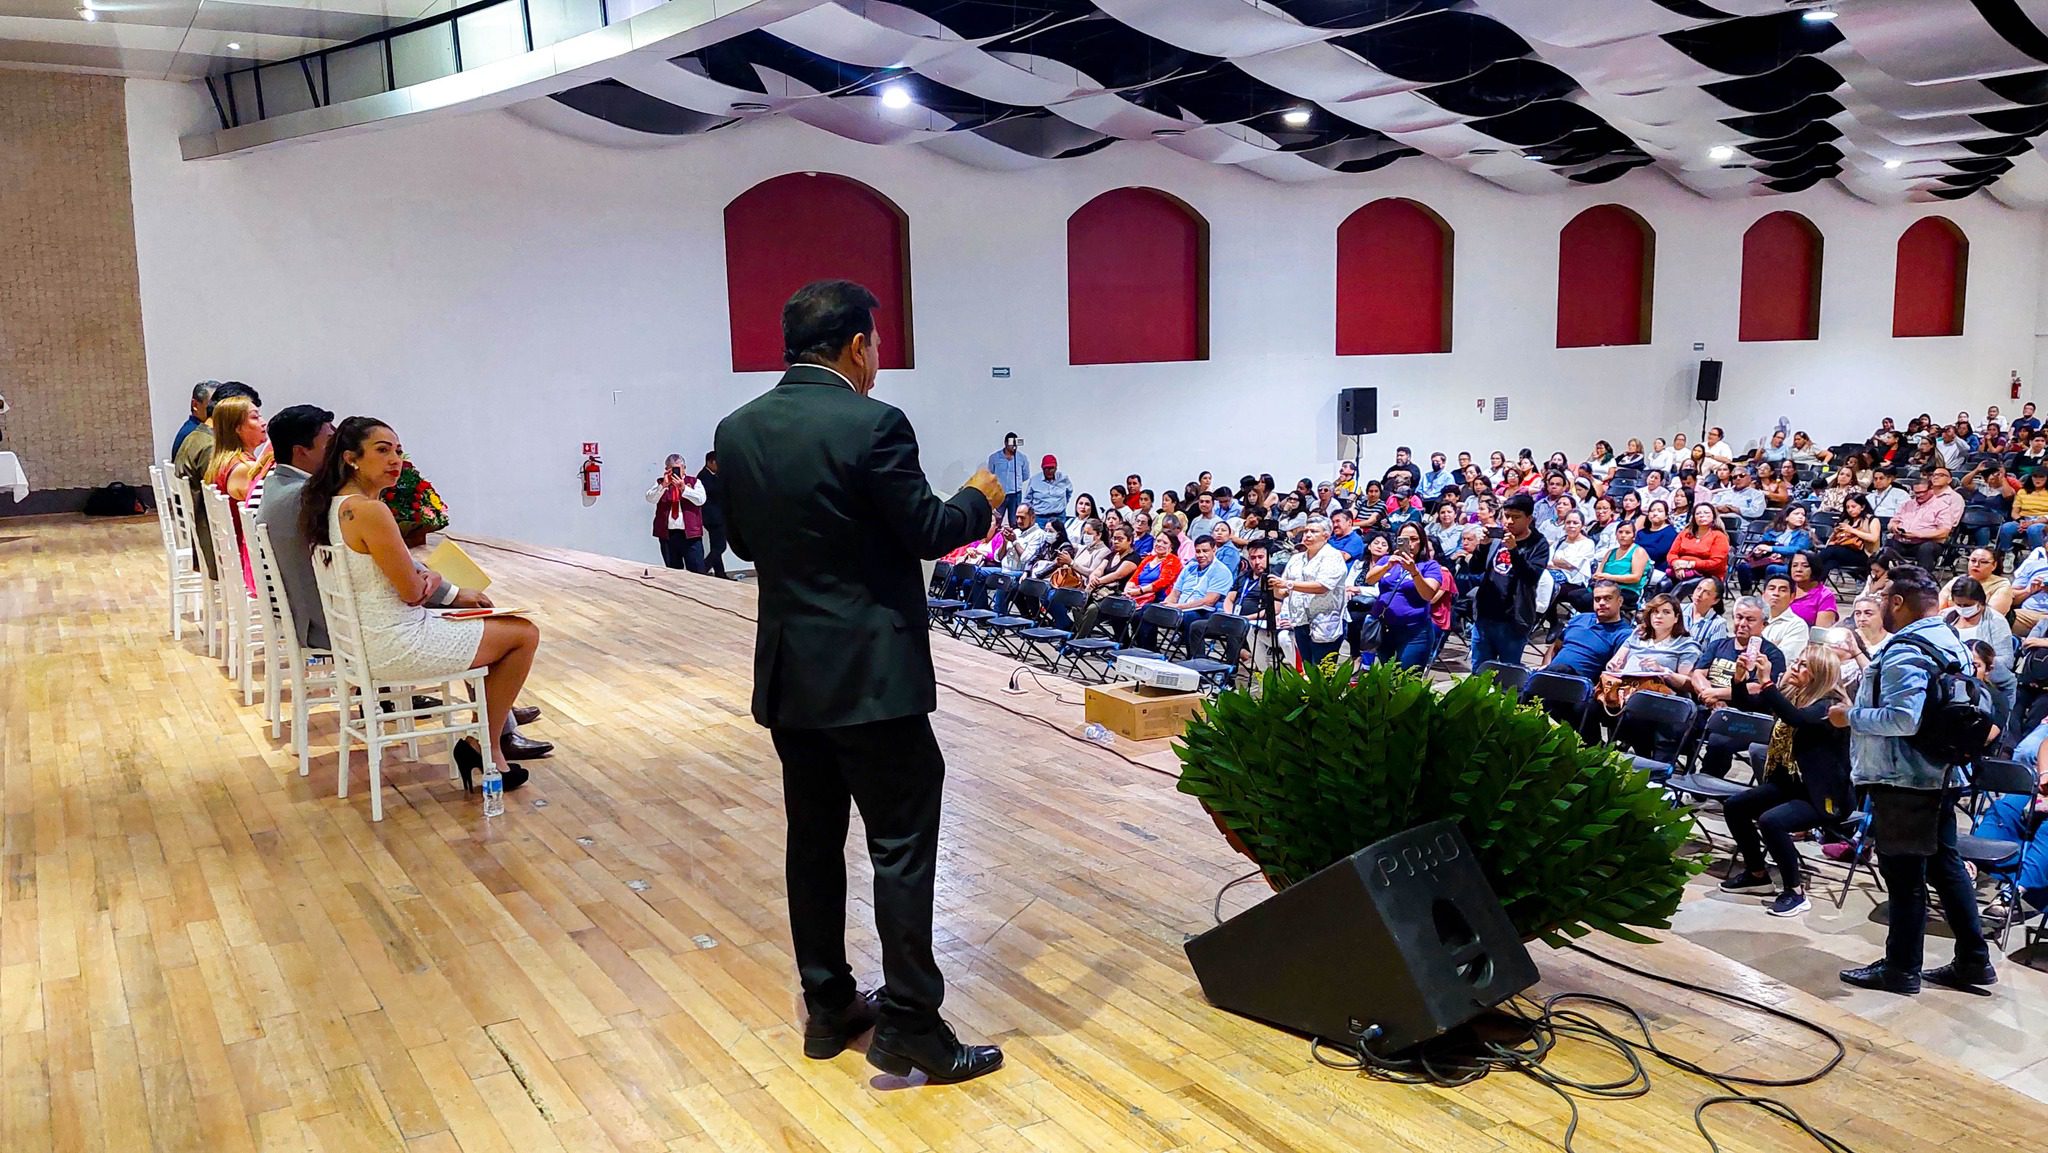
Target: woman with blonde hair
point(241, 459)
point(1805, 776)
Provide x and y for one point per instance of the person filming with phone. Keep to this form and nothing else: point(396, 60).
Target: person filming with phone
point(678, 500)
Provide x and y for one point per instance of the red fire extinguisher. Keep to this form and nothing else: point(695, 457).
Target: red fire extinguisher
point(2015, 384)
point(593, 475)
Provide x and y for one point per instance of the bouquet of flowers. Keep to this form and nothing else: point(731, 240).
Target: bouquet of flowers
point(419, 509)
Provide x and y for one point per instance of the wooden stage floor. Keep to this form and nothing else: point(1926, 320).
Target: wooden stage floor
point(199, 950)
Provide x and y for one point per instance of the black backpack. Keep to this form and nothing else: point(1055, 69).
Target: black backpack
point(1957, 721)
point(116, 499)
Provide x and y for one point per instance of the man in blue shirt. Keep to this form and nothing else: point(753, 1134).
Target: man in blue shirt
point(1345, 537)
point(1891, 700)
point(1556, 487)
point(1050, 492)
point(1438, 478)
point(202, 398)
point(1590, 640)
point(1742, 496)
point(1199, 592)
point(1013, 470)
point(2027, 422)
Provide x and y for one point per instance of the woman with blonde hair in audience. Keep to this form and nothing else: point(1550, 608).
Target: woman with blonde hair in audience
point(1865, 635)
point(400, 638)
point(1805, 779)
point(241, 458)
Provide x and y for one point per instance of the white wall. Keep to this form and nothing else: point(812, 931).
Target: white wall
point(502, 294)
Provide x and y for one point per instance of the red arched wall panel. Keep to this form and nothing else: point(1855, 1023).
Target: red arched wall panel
point(1933, 279)
point(1606, 261)
point(1137, 280)
point(1781, 279)
point(1393, 280)
point(783, 233)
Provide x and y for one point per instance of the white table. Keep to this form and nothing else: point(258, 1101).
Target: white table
point(12, 477)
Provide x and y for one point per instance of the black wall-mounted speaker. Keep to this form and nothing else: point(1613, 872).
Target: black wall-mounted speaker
point(1710, 381)
point(1358, 411)
point(1393, 945)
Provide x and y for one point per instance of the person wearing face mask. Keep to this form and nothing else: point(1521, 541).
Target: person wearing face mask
point(1970, 614)
point(843, 677)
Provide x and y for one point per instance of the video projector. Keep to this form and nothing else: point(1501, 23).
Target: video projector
point(1153, 673)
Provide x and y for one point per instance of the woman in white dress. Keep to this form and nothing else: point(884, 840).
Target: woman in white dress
point(402, 640)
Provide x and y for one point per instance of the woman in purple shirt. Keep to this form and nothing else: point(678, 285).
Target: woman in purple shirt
point(1409, 580)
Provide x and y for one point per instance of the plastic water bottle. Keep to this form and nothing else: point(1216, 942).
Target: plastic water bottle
point(1099, 735)
point(494, 791)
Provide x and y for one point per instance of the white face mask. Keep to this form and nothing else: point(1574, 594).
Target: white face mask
point(1969, 612)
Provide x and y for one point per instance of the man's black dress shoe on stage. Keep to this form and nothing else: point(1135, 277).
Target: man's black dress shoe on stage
point(525, 714)
point(936, 1052)
point(826, 1035)
point(1958, 976)
point(1876, 976)
point(518, 748)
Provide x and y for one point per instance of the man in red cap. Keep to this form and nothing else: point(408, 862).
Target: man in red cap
point(1050, 492)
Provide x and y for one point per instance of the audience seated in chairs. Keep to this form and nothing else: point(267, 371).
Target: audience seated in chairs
point(241, 459)
point(1922, 526)
point(1981, 565)
point(401, 639)
point(1197, 592)
point(1156, 574)
point(1813, 601)
point(1704, 621)
point(1804, 782)
point(1783, 627)
point(1854, 538)
point(1768, 556)
point(1701, 550)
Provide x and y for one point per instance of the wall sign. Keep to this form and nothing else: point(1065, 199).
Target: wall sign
point(1500, 408)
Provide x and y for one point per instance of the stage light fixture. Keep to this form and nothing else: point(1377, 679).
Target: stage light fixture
point(1720, 152)
point(1296, 117)
point(896, 96)
point(1893, 163)
point(1818, 15)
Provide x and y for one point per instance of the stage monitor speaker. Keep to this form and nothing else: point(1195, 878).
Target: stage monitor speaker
point(1391, 946)
point(1358, 411)
point(1710, 381)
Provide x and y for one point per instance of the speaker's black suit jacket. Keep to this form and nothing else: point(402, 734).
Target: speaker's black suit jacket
point(824, 493)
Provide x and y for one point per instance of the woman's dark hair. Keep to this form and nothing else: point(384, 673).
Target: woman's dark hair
point(1707, 580)
point(320, 491)
point(823, 317)
point(1983, 652)
point(1857, 498)
point(1966, 588)
point(1092, 507)
point(1643, 629)
point(2027, 482)
point(1812, 566)
point(1888, 558)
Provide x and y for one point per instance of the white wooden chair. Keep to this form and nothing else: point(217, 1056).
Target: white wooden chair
point(363, 693)
point(306, 671)
point(185, 587)
point(189, 524)
point(244, 619)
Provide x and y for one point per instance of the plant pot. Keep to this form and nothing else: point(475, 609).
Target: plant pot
point(1237, 842)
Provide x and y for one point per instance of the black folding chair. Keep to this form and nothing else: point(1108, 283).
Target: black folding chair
point(1997, 858)
point(1654, 725)
point(1097, 648)
point(1046, 640)
point(1165, 625)
point(1509, 677)
point(1218, 652)
point(1729, 731)
point(1564, 696)
point(1001, 631)
point(968, 620)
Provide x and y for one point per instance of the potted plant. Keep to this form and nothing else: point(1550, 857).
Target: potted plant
point(1318, 764)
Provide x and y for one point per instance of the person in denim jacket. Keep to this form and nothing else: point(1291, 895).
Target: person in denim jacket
point(1883, 758)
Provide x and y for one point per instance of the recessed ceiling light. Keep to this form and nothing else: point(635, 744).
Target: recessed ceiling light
point(1296, 117)
point(1720, 152)
point(234, 47)
point(896, 96)
point(1893, 163)
point(749, 106)
point(88, 15)
point(1818, 15)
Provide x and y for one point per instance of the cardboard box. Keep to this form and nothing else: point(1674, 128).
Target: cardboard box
point(1140, 714)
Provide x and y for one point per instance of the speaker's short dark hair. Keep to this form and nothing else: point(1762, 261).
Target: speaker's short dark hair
point(823, 317)
point(295, 428)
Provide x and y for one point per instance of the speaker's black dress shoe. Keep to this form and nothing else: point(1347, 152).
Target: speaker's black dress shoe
point(1877, 976)
point(525, 714)
point(827, 1034)
point(518, 748)
point(1955, 975)
point(936, 1052)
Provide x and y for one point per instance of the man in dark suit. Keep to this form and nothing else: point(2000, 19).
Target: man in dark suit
point(824, 493)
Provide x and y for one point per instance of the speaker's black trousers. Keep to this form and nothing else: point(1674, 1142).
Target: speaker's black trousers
point(894, 772)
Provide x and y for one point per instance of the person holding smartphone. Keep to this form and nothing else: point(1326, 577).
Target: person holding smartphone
point(678, 501)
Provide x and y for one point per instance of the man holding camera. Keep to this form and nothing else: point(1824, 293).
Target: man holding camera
point(678, 501)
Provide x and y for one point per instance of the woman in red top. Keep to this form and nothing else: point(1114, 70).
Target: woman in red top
point(1157, 575)
point(1701, 550)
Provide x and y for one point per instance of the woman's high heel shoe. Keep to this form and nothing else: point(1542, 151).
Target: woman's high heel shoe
point(469, 759)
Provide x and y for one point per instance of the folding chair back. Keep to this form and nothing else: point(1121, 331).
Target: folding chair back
point(1511, 678)
point(1654, 725)
point(1564, 696)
